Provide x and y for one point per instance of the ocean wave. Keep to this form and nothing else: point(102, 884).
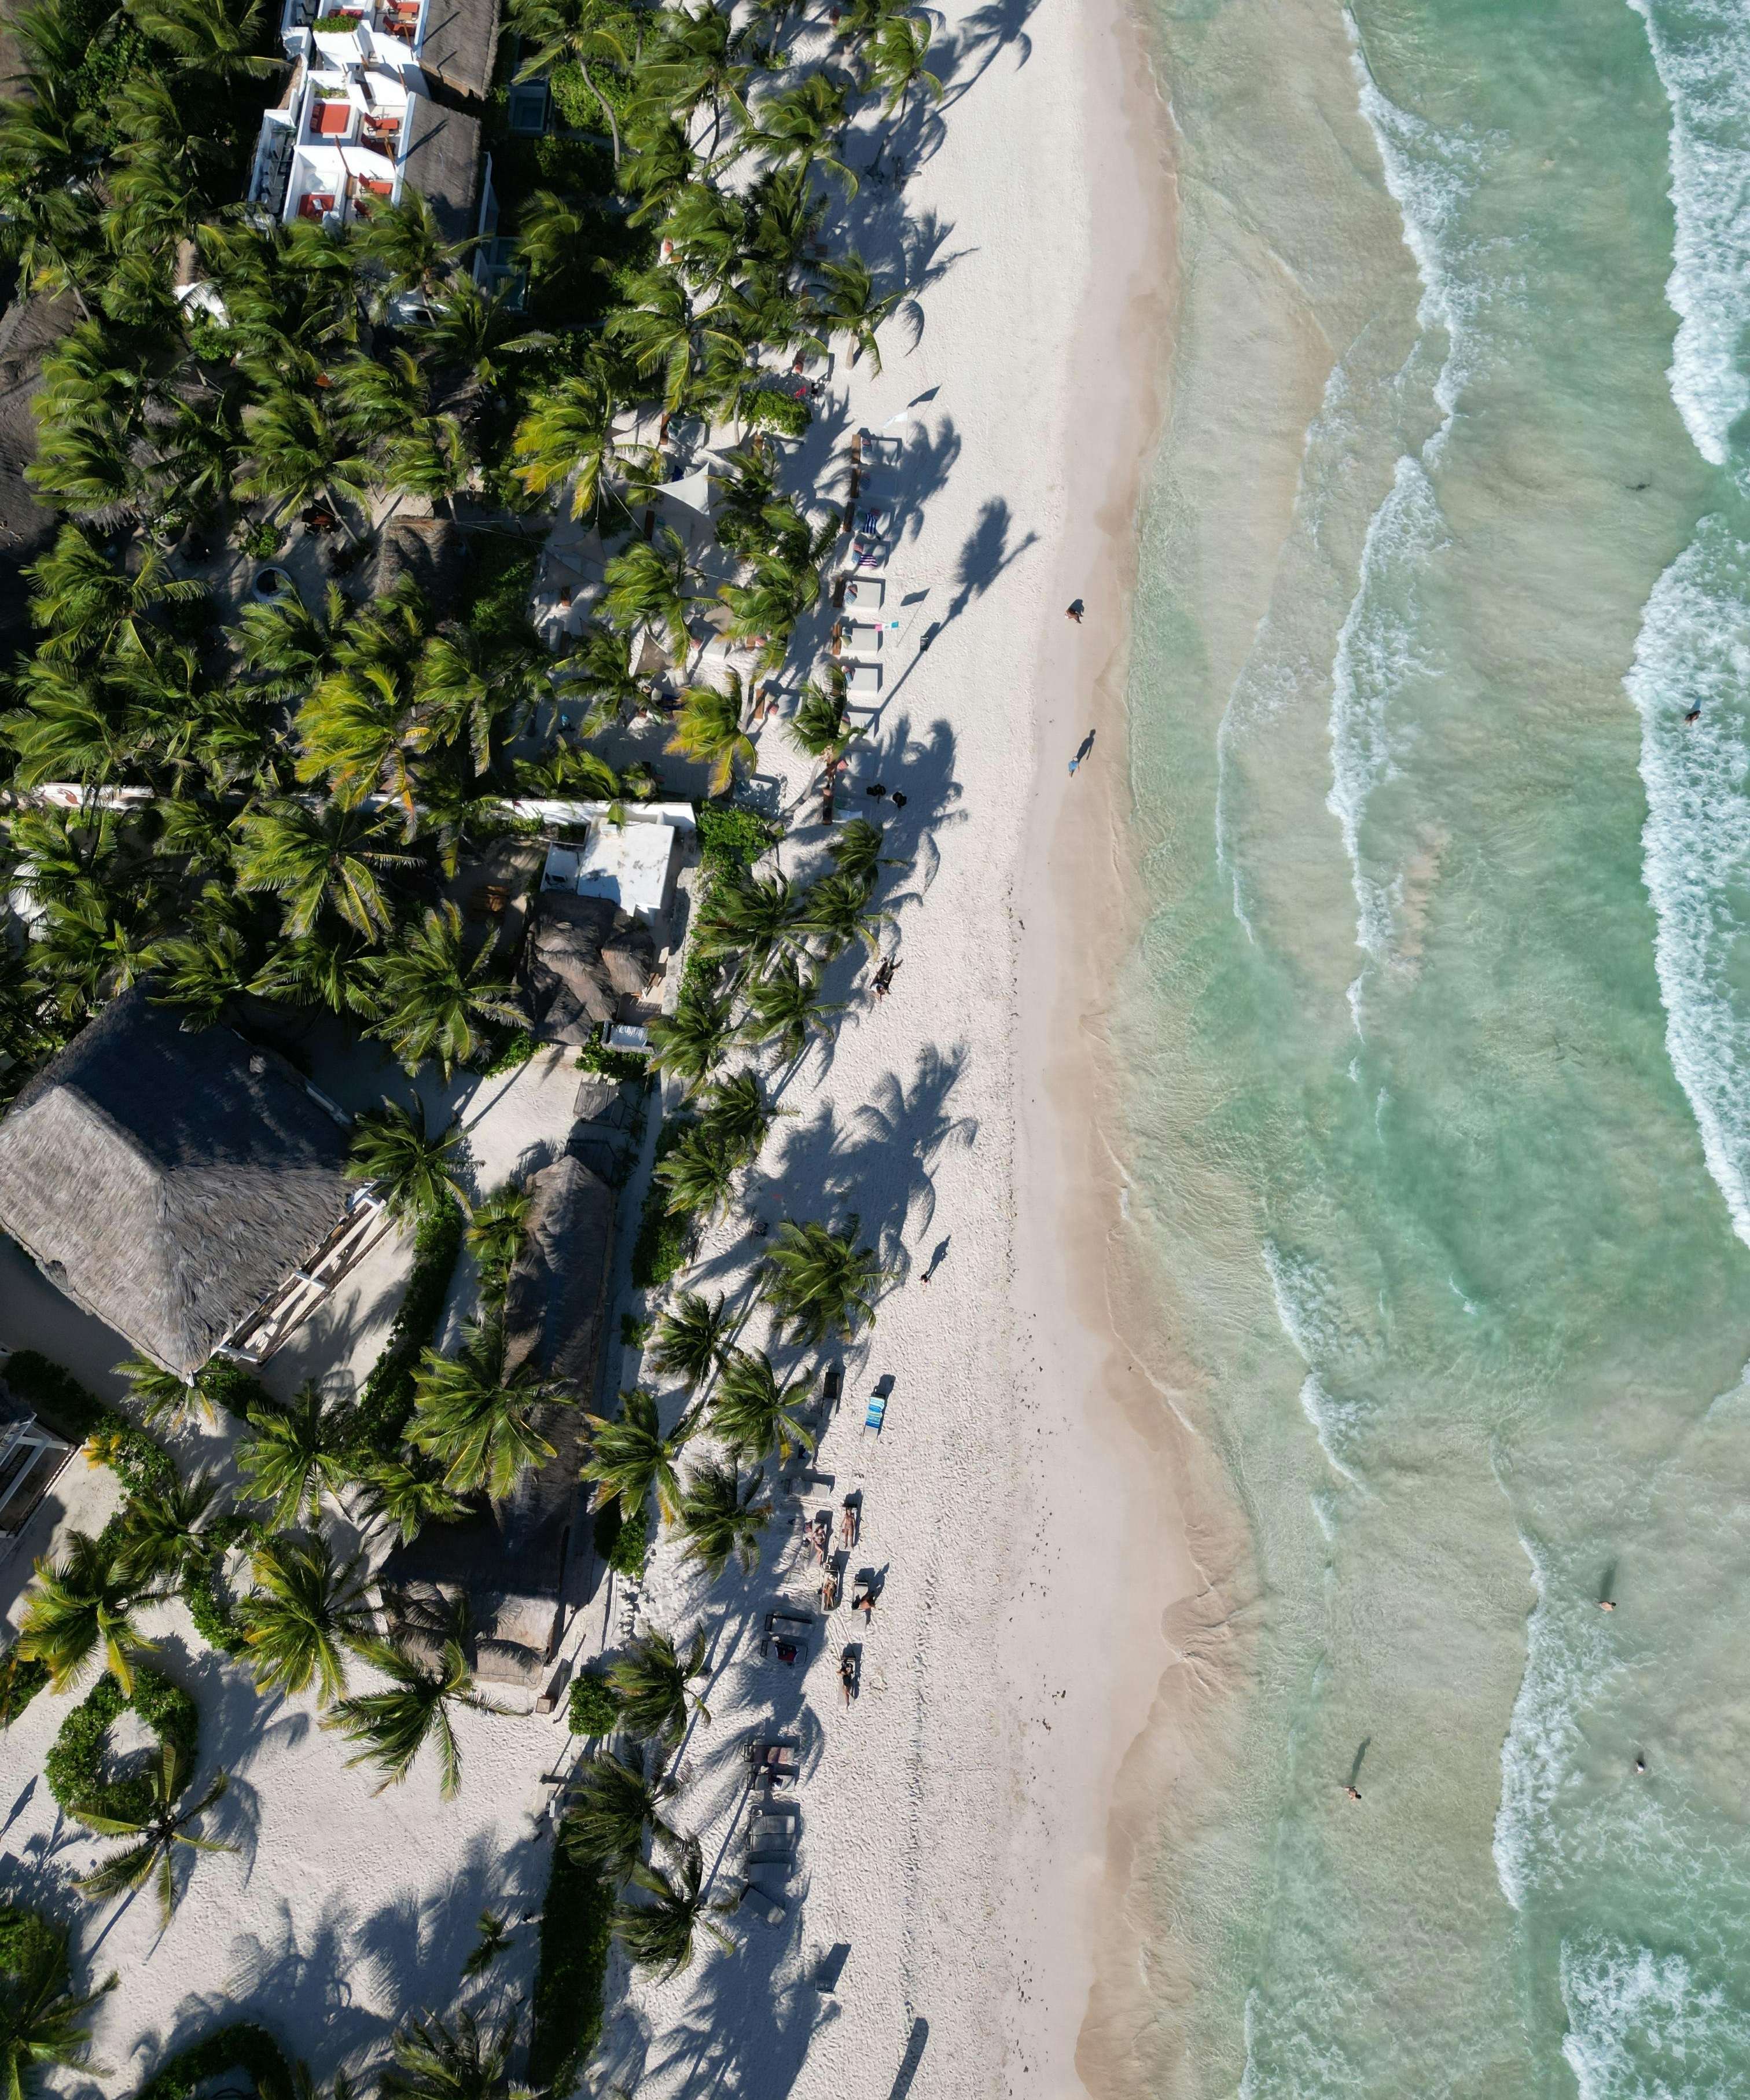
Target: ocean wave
point(1704, 65)
point(1376, 654)
point(1693, 651)
point(1308, 1311)
point(1431, 175)
point(1567, 1659)
point(1641, 2027)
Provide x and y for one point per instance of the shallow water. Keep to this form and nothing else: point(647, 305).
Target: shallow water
point(1439, 1036)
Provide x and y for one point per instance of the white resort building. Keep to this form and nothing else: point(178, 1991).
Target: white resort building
point(371, 111)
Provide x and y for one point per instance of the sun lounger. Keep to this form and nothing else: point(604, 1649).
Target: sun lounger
point(785, 1860)
point(864, 593)
point(769, 1909)
point(877, 1413)
point(862, 677)
point(786, 1638)
point(775, 1762)
point(765, 1829)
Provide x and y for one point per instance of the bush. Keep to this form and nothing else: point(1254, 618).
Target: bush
point(623, 1542)
point(230, 1386)
point(241, 2046)
point(771, 409)
point(516, 1051)
point(594, 1709)
point(386, 1401)
point(633, 1332)
point(664, 1244)
point(204, 1592)
point(567, 1999)
point(56, 1396)
point(595, 1056)
point(21, 1681)
point(74, 1768)
point(731, 838)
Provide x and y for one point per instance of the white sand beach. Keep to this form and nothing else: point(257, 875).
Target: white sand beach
point(955, 1820)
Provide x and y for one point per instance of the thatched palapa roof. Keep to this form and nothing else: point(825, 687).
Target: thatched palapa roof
point(442, 160)
point(169, 1182)
point(459, 43)
point(584, 955)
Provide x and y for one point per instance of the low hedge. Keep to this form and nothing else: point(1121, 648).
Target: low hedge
point(242, 2046)
point(593, 1708)
point(74, 1767)
point(210, 1603)
point(386, 1403)
point(567, 2000)
point(664, 1244)
point(55, 1395)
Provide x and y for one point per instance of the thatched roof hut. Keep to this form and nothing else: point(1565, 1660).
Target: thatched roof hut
point(459, 44)
point(583, 956)
point(431, 550)
point(510, 1562)
point(168, 1183)
point(442, 153)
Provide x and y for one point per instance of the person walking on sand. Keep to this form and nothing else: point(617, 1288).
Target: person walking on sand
point(1353, 1792)
point(1082, 750)
point(1606, 1603)
point(1075, 612)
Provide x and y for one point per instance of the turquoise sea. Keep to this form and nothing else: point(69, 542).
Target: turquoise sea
point(1439, 1035)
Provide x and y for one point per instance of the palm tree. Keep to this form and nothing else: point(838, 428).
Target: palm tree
point(722, 1516)
point(701, 58)
point(468, 689)
point(649, 585)
point(821, 1282)
point(407, 1497)
point(334, 970)
point(630, 1456)
point(786, 1008)
point(83, 1607)
point(151, 1853)
point(414, 1173)
point(299, 457)
point(394, 1726)
point(568, 429)
point(436, 1001)
point(40, 2018)
point(821, 725)
point(660, 1934)
point(896, 53)
point(687, 1044)
point(305, 1606)
point(794, 127)
point(166, 1531)
point(85, 600)
point(475, 1418)
point(320, 859)
point(752, 1414)
point(698, 1175)
point(690, 1338)
point(734, 1114)
point(475, 331)
point(849, 305)
point(291, 1458)
point(755, 915)
point(567, 32)
point(433, 2062)
point(654, 1683)
point(406, 241)
point(838, 910)
point(495, 1939)
point(708, 728)
point(665, 329)
point(613, 1802)
point(495, 1233)
point(855, 850)
point(358, 730)
point(220, 37)
point(161, 1392)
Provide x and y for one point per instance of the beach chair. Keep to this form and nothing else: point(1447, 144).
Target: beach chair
point(876, 1414)
point(862, 677)
point(865, 593)
point(786, 1638)
point(774, 1763)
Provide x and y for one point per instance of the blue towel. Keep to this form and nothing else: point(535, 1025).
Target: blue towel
point(877, 1408)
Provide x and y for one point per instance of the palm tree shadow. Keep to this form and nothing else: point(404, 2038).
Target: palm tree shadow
point(979, 37)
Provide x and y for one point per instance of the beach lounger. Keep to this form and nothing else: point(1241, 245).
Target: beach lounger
point(865, 593)
point(786, 1860)
point(774, 1762)
point(862, 677)
point(877, 1413)
point(786, 1638)
point(769, 1909)
point(765, 1829)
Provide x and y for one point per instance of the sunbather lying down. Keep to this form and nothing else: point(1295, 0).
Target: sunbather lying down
point(863, 1600)
point(830, 1592)
point(820, 1536)
point(848, 1677)
point(850, 1522)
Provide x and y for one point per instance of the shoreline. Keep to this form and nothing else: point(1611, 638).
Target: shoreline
point(1120, 1475)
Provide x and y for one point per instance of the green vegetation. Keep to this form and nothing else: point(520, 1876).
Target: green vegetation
point(573, 1949)
point(238, 2045)
point(41, 2017)
point(74, 1767)
point(385, 1401)
point(594, 1706)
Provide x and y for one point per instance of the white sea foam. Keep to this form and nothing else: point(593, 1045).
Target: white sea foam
point(1641, 2027)
point(1568, 1659)
point(1309, 1318)
point(1705, 72)
point(1432, 175)
point(1694, 649)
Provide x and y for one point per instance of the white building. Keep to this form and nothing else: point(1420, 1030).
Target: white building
point(358, 124)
